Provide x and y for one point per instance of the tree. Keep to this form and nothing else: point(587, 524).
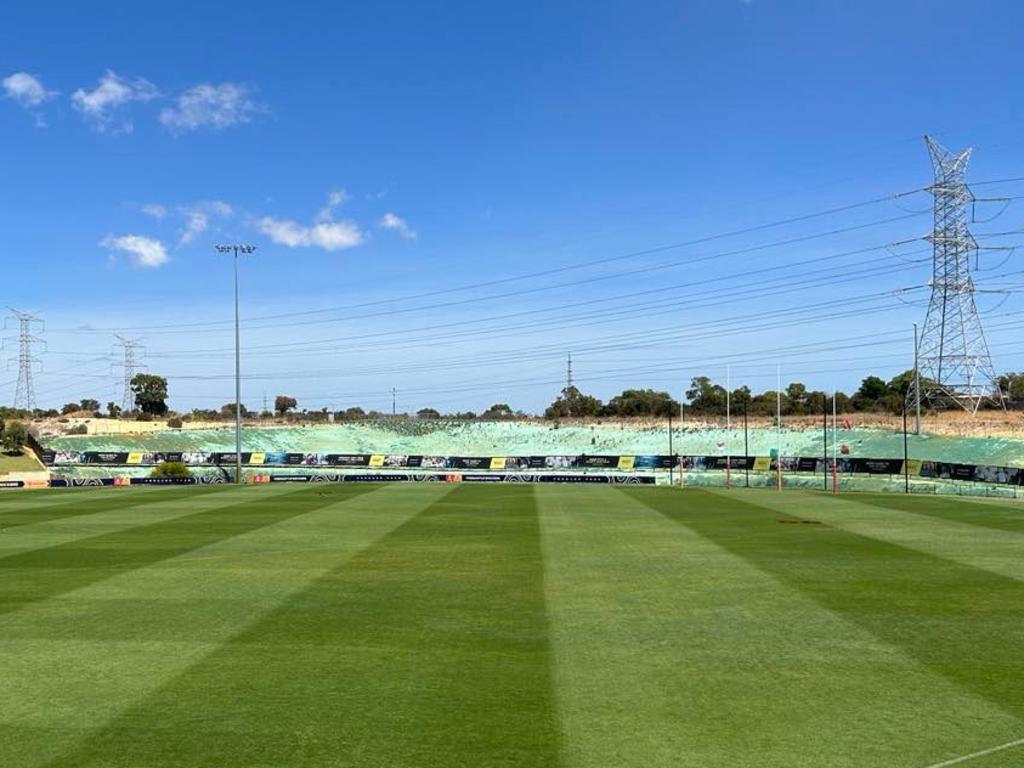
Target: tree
point(498, 411)
point(642, 402)
point(227, 411)
point(113, 409)
point(88, 404)
point(15, 437)
point(428, 413)
point(797, 400)
point(705, 396)
point(69, 408)
point(150, 393)
point(284, 403)
point(573, 404)
point(1012, 385)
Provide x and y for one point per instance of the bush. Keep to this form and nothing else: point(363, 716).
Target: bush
point(144, 417)
point(15, 437)
point(171, 469)
point(174, 423)
point(78, 429)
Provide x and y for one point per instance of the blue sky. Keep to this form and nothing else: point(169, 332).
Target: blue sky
point(457, 195)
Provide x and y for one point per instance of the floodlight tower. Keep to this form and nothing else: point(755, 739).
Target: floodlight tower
point(236, 249)
point(24, 393)
point(131, 367)
point(953, 361)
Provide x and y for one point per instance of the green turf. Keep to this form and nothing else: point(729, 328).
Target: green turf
point(435, 625)
point(18, 462)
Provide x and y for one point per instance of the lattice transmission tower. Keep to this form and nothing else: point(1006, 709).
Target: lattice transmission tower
point(25, 393)
point(131, 367)
point(954, 366)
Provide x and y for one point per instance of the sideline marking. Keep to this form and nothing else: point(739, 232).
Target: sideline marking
point(965, 758)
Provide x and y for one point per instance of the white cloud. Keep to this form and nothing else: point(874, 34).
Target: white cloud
point(196, 223)
point(397, 224)
point(143, 251)
point(324, 233)
point(100, 104)
point(329, 235)
point(27, 90)
point(209, 106)
point(155, 210)
point(334, 199)
point(220, 208)
point(197, 218)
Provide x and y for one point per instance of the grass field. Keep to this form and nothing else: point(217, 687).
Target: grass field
point(18, 462)
point(437, 625)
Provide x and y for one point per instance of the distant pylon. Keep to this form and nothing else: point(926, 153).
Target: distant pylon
point(954, 364)
point(25, 393)
point(568, 371)
point(131, 367)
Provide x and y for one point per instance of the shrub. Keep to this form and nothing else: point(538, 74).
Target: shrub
point(174, 423)
point(144, 416)
point(78, 429)
point(171, 469)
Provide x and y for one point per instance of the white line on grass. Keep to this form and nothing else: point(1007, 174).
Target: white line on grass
point(989, 751)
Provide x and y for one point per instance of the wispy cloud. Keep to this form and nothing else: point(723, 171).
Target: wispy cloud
point(395, 223)
point(143, 251)
point(334, 199)
point(198, 216)
point(102, 105)
point(209, 106)
point(155, 210)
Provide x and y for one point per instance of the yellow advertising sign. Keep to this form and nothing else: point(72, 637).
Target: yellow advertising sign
point(627, 462)
point(497, 462)
point(762, 463)
point(912, 467)
point(134, 458)
point(257, 458)
point(376, 462)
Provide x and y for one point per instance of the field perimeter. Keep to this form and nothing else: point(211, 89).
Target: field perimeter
point(437, 625)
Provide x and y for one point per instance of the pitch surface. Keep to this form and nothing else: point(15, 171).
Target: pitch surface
point(432, 625)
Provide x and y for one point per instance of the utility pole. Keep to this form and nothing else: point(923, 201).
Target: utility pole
point(394, 401)
point(236, 249)
point(917, 387)
point(568, 371)
point(25, 394)
point(131, 367)
point(952, 351)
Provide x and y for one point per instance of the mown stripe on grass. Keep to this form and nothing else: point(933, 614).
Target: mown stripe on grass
point(38, 574)
point(989, 549)
point(672, 652)
point(84, 505)
point(1005, 517)
point(74, 663)
point(147, 506)
point(964, 623)
point(428, 649)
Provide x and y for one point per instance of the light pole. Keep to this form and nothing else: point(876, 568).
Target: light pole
point(236, 249)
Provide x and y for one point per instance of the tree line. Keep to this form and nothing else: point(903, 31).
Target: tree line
point(704, 397)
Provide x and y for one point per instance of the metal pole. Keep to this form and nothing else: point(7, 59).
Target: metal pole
point(778, 427)
point(728, 427)
point(746, 447)
point(835, 447)
point(917, 387)
point(824, 438)
point(906, 453)
point(671, 476)
point(238, 385)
